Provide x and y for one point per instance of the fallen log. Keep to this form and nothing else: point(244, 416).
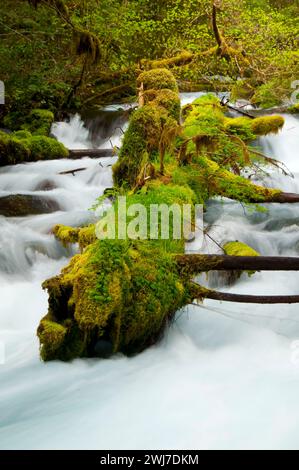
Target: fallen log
point(92, 153)
point(253, 299)
point(286, 198)
point(195, 264)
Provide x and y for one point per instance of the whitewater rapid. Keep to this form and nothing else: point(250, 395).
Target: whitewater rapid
point(224, 376)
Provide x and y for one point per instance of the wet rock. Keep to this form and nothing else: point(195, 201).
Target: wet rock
point(103, 348)
point(46, 185)
point(20, 205)
point(278, 224)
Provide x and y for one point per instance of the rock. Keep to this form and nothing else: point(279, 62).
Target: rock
point(45, 185)
point(103, 348)
point(20, 205)
point(279, 224)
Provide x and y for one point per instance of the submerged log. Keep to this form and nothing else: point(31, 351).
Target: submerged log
point(92, 153)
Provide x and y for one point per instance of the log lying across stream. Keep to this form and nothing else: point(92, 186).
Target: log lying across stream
point(193, 264)
point(92, 153)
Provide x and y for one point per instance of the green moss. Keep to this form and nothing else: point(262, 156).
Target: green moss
point(13, 150)
point(39, 122)
point(120, 292)
point(267, 95)
point(267, 125)
point(157, 79)
point(241, 90)
point(46, 148)
point(51, 335)
point(140, 142)
point(21, 147)
point(21, 135)
point(66, 234)
point(239, 249)
point(242, 127)
point(167, 99)
point(69, 235)
point(294, 109)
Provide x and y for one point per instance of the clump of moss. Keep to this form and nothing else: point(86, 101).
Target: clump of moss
point(46, 148)
point(157, 79)
point(21, 134)
point(13, 150)
point(239, 249)
point(165, 98)
point(21, 146)
point(140, 142)
point(267, 125)
point(294, 109)
point(151, 131)
point(39, 122)
point(52, 336)
point(70, 235)
point(242, 127)
point(66, 234)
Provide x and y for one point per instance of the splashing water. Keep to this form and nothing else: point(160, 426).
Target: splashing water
point(224, 376)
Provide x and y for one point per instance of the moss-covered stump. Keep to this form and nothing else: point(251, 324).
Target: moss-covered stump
point(115, 297)
point(118, 295)
point(21, 146)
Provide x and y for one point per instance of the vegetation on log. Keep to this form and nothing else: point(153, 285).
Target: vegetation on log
point(118, 295)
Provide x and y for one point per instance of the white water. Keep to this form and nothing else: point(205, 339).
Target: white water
point(224, 376)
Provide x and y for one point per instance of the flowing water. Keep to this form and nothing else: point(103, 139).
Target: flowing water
point(224, 376)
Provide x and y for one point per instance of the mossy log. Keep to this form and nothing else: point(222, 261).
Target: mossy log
point(119, 294)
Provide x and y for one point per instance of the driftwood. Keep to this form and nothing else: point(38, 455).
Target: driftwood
point(92, 153)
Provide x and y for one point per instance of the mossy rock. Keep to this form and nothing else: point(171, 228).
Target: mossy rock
point(13, 150)
point(157, 79)
point(46, 148)
point(21, 205)
point(70, 235)
point(21, 146)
